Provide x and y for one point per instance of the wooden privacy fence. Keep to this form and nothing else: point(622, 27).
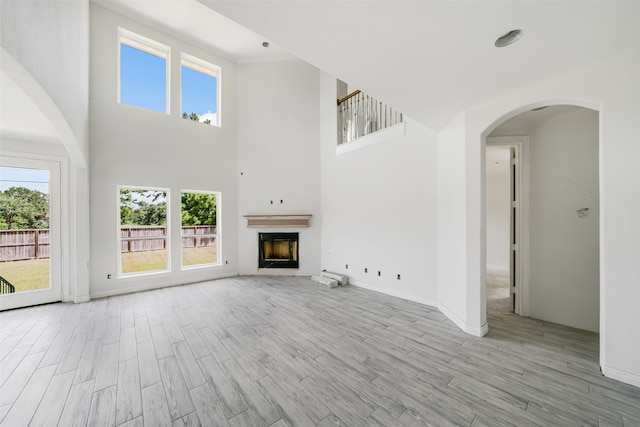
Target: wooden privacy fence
point(198, 236)
point(138, 239)
point(18, 245)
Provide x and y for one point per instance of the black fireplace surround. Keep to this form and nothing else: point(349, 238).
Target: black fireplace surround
point(278, 250)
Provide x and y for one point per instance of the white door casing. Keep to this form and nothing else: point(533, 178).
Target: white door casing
point(519, 220)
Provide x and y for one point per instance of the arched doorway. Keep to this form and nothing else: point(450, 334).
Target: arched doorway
point(34, 177)
point(558, 268)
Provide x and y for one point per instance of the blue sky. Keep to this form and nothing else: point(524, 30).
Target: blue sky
point(142, 79)
point(198, 92)
point(143, 84)
point(33, 179)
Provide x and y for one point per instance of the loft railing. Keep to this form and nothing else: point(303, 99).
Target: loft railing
point(6, 287)
point(359, 115)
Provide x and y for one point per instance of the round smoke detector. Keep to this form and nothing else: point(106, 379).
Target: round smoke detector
point(508, 38)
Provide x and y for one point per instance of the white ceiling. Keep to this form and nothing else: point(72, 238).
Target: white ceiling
point(432, 59)
point(524, 124)
point(193, 21)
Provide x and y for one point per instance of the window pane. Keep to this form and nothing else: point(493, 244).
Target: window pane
point(24, 229)
point(199, 96)
point(199, 229)
point(143, 79)
point(143, 230)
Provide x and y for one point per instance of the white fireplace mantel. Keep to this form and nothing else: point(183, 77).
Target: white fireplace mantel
point(277, 221)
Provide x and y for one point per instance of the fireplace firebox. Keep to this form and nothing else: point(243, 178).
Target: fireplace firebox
point(278, 250)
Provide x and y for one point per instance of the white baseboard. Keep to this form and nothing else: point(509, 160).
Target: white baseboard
point(81, 299)
point(150, 286)
point(407, 297)
point(622, 376)
point(478, 331)
point(498, 267)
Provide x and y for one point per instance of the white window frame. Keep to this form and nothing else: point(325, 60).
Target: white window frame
point(218, 195)
point(151, 47)
point(58, 229)
point(209, 69)
point(119, 231)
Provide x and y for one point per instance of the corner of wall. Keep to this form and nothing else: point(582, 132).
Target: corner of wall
point(478, 331)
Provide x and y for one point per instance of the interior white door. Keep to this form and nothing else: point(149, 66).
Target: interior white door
point(30, 247)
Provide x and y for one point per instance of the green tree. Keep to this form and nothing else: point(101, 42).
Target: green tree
point(143, 207)
point(198, 209)
point(22, 208)
point(194, 117)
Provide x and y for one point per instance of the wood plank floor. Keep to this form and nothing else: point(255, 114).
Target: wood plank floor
point(278, 351)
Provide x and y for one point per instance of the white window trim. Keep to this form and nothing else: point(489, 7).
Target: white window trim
point(217, 263)
point(209, 69)
point(151, 47)
point(122, 275)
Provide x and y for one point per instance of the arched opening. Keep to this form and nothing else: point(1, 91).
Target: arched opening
point(550, 233)
point(36, 139)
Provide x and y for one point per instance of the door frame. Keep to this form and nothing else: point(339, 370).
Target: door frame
point(58, 229)
point(522, 263)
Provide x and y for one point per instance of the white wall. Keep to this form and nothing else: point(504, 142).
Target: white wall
point(133, 146)
point(498, 224)
point(278, 157)
point(453, 251)
point(45, 50)
point(379, 210)
point(612, 88)
point(51, 41)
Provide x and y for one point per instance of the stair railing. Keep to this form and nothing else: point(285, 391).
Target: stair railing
point(6, 287)
point(360, 114)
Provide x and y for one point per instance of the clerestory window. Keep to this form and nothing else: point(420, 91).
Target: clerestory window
point(143, 72)
point(200, 90)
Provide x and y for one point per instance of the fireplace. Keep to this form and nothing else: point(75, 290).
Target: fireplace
point(278, 250)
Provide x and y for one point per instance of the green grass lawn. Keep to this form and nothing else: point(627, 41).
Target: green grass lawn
point(197, 256)
point(136, 262)
point(26, 275)
point(31, 275)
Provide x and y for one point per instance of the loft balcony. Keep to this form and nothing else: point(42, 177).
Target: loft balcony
point(360, 115)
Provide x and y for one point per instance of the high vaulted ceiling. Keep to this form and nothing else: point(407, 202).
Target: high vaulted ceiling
point(194, 21)
point(432, 59)
point(429, 59)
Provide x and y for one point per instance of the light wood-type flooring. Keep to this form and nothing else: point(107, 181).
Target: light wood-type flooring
point(498, 297)
point(277, 351)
